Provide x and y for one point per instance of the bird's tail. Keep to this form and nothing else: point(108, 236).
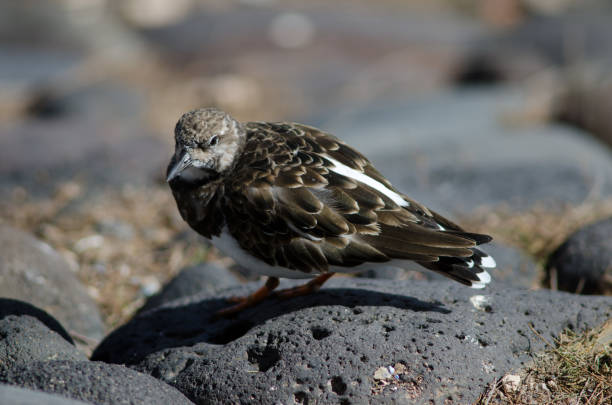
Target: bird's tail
point(470, 271)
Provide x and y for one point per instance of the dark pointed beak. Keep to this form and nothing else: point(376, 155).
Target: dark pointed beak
point(183, 163)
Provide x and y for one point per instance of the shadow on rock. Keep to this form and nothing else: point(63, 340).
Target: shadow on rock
point(192, 320)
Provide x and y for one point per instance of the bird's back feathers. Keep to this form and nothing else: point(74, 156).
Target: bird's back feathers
point(302, 199)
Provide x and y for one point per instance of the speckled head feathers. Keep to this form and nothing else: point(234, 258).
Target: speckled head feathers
point(207, 139)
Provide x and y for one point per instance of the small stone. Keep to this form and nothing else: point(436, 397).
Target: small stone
point(149, 286)
point(89, 242)
point(382, 373)
point(511, 382)
point(481, 302)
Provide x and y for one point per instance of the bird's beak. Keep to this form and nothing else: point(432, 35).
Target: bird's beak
point(179, 166)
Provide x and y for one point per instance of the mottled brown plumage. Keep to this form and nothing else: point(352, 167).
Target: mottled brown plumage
point(297, 198)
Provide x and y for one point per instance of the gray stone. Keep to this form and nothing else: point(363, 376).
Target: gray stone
point(99, 383)
point(22, 396)
point(453, 151)
point(24, 339)
point(449, 340)
point(30, 270)
point(192, 280)
point(583, 263)
point(10, 307)
point(92, 148)
point(540, 43)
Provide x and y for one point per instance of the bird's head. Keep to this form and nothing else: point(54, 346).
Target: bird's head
point(207, 142)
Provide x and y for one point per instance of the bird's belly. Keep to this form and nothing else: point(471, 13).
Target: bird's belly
point(227, 244)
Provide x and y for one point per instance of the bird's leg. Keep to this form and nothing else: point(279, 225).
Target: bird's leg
point(310, 287)
point(250, 300)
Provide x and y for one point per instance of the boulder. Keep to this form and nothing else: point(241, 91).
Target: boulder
point(32, 271)
point(93, 382)
point(583, 263)
point(10, 307)
point(433, 341)
point(24, 339)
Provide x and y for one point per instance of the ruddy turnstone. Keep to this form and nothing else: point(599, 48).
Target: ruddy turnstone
point(289, 200)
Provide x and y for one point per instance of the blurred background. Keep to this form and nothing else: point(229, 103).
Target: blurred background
point(496, 112)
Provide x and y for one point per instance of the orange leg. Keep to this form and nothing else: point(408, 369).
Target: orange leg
point(249, 301)
point(308, 288)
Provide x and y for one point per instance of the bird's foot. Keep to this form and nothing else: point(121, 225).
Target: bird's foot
point(241, 303)
point(305, 289)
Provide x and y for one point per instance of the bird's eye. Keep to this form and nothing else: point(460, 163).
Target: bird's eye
point(213, 140)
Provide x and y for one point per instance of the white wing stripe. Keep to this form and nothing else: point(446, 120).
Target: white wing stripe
point(367, 180)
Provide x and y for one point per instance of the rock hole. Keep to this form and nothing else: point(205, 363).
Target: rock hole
point(319, 332)
point(301, 397)
point(483, 343)
point(389, 328)
point(264, 358)
point(345, 401)
point(338, 385)
point(357, 311)
point(478, 70)
point(232, 332)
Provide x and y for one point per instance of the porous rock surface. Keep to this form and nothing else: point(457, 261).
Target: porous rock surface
point(93, 382)
point(18, 308)
point(24, 339)
point(32, 271)
point(448, 341)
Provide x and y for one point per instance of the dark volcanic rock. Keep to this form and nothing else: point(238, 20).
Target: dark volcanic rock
point(24, 339)
point(204, 278)
point(450, 341)
point(32, 271)
point(10, 307)
point(93, 382)
point(21, 396)
point(583, 263)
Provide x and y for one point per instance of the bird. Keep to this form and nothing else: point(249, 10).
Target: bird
point(288, 200)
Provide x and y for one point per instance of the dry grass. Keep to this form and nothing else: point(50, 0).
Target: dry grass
point(539, 230)
point(123, 244)
point(576, 369)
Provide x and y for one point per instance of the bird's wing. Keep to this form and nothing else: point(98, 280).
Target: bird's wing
point(303, 199)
